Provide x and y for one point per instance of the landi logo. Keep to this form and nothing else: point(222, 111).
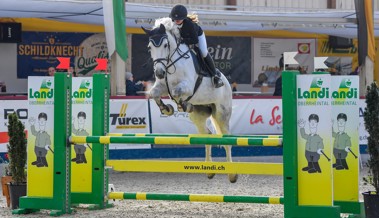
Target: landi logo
point(316, 91)
point(45, 92)
point(345, 91)
point(122, 121)
point(84, 92)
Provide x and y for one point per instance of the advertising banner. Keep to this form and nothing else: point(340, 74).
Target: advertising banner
point(314, 139)
point(257, 116)
point(129, 116)
point(267, 53)
point(41, 136)
point(232, 56)
point(81, 154)
point(8, 107)
point(179, 122)
point(345, 121)
point(39, 50)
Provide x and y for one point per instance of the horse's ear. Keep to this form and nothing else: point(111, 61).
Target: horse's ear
point(162, 29)
point(146, 30)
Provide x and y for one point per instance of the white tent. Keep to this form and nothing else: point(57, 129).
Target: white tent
point(331, 22)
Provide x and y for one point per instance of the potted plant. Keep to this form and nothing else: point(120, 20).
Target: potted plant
point(371, 119)
point(17, 159)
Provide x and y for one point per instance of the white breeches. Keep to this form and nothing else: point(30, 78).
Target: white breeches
point(203, 45)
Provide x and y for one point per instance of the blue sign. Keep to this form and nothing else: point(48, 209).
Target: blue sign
point(39, 51)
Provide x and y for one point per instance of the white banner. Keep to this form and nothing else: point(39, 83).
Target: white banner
point(8, 107)
point(129, 116)
point(257, 116)
point(179, 122)
point(268, 51)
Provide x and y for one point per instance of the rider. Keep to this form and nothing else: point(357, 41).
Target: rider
point(192, 34)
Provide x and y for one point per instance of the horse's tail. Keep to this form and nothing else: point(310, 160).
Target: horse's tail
point(193, 17)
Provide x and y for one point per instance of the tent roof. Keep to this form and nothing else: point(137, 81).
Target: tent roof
point(331, 22)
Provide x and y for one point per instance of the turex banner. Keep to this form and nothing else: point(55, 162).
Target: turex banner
point(81, 162)
point(345, 132)
point(38, 52)
point(267, 53)
point(40, 126)
point(232, 55)
point(314, 139)
point(129, 116)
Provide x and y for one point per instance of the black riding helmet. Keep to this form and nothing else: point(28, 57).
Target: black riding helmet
point(178, 12)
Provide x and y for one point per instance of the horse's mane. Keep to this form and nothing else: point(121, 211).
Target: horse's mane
point(169, 25)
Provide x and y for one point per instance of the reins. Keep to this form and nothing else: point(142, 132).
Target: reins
point(172, 63)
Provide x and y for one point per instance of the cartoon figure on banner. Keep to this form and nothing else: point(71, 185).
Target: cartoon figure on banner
point(342, 143)
point(80, 149)
point(314, 144)
point(43, 141)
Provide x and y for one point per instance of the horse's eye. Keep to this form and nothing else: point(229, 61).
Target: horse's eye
point(165, 45)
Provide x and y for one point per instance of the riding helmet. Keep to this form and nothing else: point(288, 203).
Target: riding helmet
point(178, 12)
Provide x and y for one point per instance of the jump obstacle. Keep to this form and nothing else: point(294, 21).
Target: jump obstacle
point(63, 198)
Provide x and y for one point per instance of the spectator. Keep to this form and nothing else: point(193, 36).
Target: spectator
point(51, 71)
point(3, 87)
point(278, 83)
point(131, 87)
point(71, 71)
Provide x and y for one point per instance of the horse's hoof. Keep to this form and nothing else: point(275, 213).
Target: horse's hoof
point(169, 110)
point(211, 175)
point(233, 178)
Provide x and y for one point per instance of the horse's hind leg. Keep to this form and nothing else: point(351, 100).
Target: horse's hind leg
point(221, 116)
point(199, 117)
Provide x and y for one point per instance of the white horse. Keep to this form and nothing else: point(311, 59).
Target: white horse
point(176, 77)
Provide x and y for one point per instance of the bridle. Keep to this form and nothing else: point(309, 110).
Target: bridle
point(157, 40)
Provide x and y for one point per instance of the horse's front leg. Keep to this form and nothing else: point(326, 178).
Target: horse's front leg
point(180, 93)
point(155, 93)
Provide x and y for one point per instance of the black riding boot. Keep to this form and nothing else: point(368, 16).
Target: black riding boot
point(212, 69)
point(37, 161)
point(75, 158)
point(307, 167)
point(344, 164)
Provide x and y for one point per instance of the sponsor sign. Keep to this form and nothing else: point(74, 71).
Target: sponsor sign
point(345, 125)
point(268, 51)
point(129, 116)
point(40, 126)
point(81, 154)
point(8, 107)
point(314, 139)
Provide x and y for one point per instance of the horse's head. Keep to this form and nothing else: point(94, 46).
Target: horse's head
point(159, 48)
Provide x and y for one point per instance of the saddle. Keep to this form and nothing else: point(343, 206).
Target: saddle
point(201, 67)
